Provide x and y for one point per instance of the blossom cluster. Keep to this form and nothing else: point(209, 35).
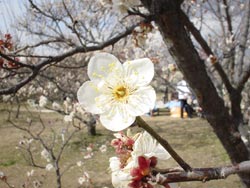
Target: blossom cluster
point(121, 6)
point(6, 45)
point(140, 34)
point(136, 157)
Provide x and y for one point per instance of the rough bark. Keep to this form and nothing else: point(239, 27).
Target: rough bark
point(167, 16)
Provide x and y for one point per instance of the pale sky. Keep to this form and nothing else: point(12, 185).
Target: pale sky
point(9, 11)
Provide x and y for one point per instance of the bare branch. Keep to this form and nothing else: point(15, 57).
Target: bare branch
point(201, 174)
point(58, 58)
point(242, 78)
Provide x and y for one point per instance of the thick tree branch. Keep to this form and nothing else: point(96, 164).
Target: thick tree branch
point(201, 174)
point(199, 38)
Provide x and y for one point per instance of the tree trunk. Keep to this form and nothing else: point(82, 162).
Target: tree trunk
point(167, 16)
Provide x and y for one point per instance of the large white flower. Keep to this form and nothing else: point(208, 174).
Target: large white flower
point(118, 92)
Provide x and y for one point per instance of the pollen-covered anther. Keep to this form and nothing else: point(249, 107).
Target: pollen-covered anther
point(120, 93)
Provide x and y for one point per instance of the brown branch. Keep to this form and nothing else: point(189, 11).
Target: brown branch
point(199, 38)
point(243, 76)
point(58, 58)
point(18, 63)
point(228, 17)
point(74, 22)
point(46, 42)
point(201, 174)
point(141, 123)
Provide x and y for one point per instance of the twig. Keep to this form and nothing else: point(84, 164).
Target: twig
point(141, 123)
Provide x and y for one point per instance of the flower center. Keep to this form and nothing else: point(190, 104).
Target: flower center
point(120, 92)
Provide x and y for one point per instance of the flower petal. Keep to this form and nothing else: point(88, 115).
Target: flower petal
point(117, 118)
point(142, 101)
point(86, 95)
point(120, 177)
point(147, 146)
point(103, 64)
point(139, 72)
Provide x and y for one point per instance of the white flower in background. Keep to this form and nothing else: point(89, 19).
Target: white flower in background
point(56, 106)
point(105, 3)
point(123, 5)
point(1, 174)
point(79, 163)
point(30, 173)
point(43, 101)
point(88, 155)
point(84, 179)
point(67, 103)
point(69, 118)
point(118, 92)
point(49, 167)
point(45, 154)
point(31, 102)
point(37, 184)
point(89, 149)
point(6, 98)
point(103, 148)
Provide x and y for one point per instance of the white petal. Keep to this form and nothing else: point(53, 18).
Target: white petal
point(103, 64)
point(147, 146)
point(86, 95)
point(114, 163)
point(120, 177)
point(117, 118)
point(141, 101)
point(139, 72)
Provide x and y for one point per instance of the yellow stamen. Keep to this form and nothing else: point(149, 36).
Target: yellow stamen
point(120, 93)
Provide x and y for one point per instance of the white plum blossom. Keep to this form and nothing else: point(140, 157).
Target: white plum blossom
point(144, 146)
point(1, 175)
point(84, 179)
point(30, 173)
point(46, 155)
point(103, 148)
point(56, 106)
point(118, 92)
point(79, 163)
point(43, 101)
point(88, 155)
point(69, 118)
point(120, 177)
point(124, 5)
point(49, 167)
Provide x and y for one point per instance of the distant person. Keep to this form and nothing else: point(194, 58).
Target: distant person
point(183, 94)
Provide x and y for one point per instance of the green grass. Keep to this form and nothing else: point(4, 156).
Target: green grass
point(193, 140)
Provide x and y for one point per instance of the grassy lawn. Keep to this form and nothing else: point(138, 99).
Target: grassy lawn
point(193, 140)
